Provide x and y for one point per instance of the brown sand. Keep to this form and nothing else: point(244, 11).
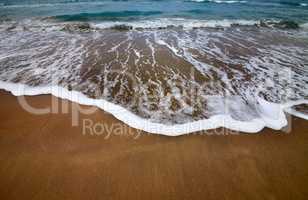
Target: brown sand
point(44, 157)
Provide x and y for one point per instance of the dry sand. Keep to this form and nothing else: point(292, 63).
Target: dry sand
point(44, 157)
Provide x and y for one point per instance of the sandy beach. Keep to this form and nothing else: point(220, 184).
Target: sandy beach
point(44, 157)
point(148, 99)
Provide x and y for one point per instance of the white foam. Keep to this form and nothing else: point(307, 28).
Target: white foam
point(220, 1)
point(39, 65)
point(231, 1)
point(290, 110)
point(177, 22)
point(198, 0)
point(273, 116)
point(305, 25)
point(296, 113)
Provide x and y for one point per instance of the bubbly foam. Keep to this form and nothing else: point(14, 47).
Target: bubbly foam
point(176, 22)
point(168, 82)
point(221, 1)
point(50, 24)
point(269, 110)
point(135, 121)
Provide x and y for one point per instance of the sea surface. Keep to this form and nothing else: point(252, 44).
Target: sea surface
point(164, 66)
point(134, 10)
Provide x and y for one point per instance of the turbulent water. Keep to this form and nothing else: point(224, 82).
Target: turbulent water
point(168, 67)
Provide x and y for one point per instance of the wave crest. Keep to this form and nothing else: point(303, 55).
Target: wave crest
point(220, 1)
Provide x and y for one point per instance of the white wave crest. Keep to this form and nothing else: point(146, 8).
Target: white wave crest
point(304, 26)
point(177, 22)
point(220, 1)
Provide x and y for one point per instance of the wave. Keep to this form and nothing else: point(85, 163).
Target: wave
point(278, 122)
point(176, 22)
point(53, 24)
point(305, 25)
point(220, 1)
point(289, 3)
point(250, 70)
point(182, 23)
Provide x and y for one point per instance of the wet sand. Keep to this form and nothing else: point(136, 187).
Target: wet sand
point(44, 157)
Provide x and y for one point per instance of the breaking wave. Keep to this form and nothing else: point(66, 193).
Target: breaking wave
point(170, 82)
point(220, 1)
point(52, 24)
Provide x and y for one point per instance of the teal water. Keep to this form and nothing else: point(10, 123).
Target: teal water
point(132, 10)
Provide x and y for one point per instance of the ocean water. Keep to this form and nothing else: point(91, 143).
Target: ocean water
point(164, 66)
point(133, 10)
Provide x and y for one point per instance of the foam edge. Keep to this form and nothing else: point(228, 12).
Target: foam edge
point(139, 123)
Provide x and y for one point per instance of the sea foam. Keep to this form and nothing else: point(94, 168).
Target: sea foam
point(176, 22)
point(221, 1)
point(158, 80)
point(273, 114)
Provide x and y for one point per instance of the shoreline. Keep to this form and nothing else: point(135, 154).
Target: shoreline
point(171, 83)
point(69, 108)
point(131, 119)
point(44, 157)
point(153, 100)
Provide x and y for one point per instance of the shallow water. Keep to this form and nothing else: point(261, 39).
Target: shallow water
point(198, 74)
